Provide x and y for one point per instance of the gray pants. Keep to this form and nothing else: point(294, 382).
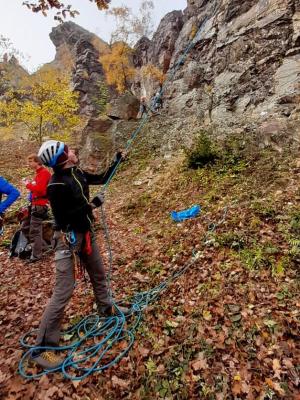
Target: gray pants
point(49, 329)
point(32, 227)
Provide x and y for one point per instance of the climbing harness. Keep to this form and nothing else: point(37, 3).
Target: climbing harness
point(97, 343)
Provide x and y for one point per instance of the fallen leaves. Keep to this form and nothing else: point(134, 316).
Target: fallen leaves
point(123, 384)
point(276, 386)
point(207, 315)
point(218, 331)
point(200, 363)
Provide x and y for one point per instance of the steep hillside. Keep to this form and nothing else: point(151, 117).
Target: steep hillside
point(11, 73)
point(228, 327)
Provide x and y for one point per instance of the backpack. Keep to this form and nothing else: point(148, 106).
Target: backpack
point(19, 246)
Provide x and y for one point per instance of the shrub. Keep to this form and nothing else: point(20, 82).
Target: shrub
point(202, 153)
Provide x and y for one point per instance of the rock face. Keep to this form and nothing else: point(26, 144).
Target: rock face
point(11, 73)
point(97, 145)
point(87, 75)
point(125, 107)
point(241, 75)
point(164, 40)
point(65, 38)
point(78, 51)
point(141, 50)
point(244, 69)
point(159, 50)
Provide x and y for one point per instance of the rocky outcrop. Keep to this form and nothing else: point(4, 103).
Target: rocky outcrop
point(78, 51)
point(87, 75)
point(164, 40)
point(11, 73)
point(65, 38)
point(159, 50)
point(141, 50)
point(97, 145)
point(242, 75)
point(125, 107)
point(244, 68)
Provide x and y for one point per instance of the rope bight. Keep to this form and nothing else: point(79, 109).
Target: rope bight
point(97, 343)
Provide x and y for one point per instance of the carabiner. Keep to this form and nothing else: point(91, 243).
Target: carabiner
point(71, 237)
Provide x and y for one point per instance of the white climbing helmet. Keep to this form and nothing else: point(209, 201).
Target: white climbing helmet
point(50, 151)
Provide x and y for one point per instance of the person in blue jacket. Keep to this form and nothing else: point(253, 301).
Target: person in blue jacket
point(11, 196)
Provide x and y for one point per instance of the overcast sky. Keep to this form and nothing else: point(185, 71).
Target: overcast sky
point(29, 32)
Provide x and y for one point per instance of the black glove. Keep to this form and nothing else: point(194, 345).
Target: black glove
point(98, 200)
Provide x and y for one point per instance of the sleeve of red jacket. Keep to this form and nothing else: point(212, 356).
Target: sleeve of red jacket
point(39, 188)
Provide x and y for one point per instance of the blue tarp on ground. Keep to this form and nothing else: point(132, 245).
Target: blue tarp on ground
point(192, 212)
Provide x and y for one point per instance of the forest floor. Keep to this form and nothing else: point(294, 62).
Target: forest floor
point(226, 329)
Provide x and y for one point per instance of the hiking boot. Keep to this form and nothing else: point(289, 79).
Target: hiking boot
point(47, 360)
point(110, 311)
point(124, 310)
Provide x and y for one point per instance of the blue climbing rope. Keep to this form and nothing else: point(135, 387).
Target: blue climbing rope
point(97, 343)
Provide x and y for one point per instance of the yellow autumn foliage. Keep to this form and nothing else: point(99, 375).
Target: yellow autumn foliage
point(118, 67)
point(193, 32)
point(154, 72)
point(44, 104)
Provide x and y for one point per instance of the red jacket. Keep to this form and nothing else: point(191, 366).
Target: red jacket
point(38, 187)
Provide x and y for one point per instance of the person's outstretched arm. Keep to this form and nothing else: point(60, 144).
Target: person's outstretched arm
point(11, 192)
point(101, 179)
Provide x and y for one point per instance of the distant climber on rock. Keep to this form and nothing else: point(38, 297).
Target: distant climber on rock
point(32, 226)
point(156, 102)
point(74, 242)
point(143, 107)
point(11, 194)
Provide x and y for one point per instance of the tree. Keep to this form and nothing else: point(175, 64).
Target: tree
point(44, 6)
point(130, 27)
point(155, 73)
point(117, 62)
point(44, 104)
point(118, 67)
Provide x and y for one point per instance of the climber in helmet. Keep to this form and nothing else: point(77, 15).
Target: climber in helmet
point(156, 102)
point(11, 194)
point(73, 238)
point(143, 106)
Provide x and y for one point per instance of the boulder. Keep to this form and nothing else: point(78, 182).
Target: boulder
point(124, 107)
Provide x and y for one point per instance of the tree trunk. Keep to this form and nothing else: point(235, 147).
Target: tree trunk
point(41, 130)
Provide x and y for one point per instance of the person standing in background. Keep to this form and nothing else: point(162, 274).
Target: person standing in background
point(32, 226)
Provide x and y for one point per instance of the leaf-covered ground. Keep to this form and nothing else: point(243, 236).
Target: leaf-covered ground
point(227, 329)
